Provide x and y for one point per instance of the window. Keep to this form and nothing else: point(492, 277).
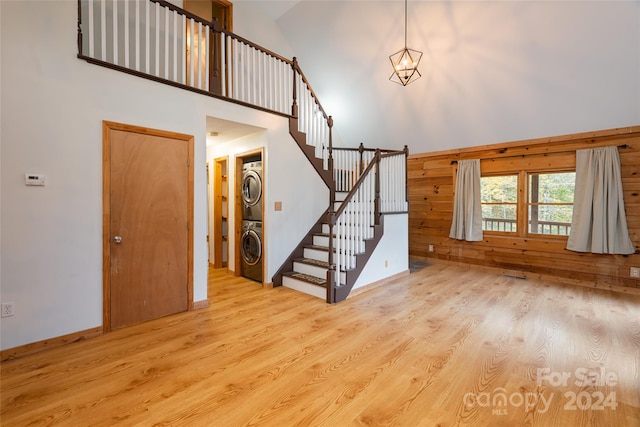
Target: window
point(499, 196)
point(550, 202)
point(546, 210)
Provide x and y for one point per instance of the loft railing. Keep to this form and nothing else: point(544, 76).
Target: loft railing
point(379, 189)
point(157, 40)
point(350, 163)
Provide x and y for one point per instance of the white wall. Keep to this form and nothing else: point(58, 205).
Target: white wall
point(53, 105)
point(257, 24)
point(493, 71)
point(391, 256)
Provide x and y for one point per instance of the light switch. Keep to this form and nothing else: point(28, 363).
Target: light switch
point(34, 179)
point(277, 206)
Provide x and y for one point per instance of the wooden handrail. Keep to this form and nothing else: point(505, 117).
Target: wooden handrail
point(313, 94)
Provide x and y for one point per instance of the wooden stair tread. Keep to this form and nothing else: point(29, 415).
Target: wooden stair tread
point(311, 261)
point(320, 248)
point(306, 278)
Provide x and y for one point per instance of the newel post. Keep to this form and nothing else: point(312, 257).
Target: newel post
point(361, 151)
point(332, 189)
point(376, 203)
point(406, 174)
point(294, 105)
point(79, 28)
point(331, 271)
point(331, 217)
point(215, 77)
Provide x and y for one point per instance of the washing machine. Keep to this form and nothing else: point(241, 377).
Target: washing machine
point(252, 191)
point(251, 250)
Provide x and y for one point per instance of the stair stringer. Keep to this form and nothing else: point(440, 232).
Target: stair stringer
point(287, 265)
point(310, 152)
point(340, 293)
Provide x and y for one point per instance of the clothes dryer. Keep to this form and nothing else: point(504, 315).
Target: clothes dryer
point(251, 250)
point(252, 191)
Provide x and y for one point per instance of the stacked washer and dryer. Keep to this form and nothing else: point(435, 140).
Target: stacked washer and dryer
point(251, 241)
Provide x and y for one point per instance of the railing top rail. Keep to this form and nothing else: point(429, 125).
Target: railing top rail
point(391, 153)
point(382, 150)
point(216, 27)
point(357, 185)
point(296, 66)
point(258, 47)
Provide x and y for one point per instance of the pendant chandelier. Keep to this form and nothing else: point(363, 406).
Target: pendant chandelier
point(405, 61)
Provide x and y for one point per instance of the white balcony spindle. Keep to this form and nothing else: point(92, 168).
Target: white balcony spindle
point(197, 46)
point(166, 44)
point(157, 41)
point(91, 30)
point(126, 33)
point(103, 30)
point(147, 39)
point(183, 52)
point(137, 36)
point(114, 17)
point(191, 43)
point(207, 62)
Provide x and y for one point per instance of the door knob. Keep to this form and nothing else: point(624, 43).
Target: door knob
point(117, 239)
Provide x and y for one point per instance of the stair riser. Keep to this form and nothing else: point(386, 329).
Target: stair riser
point(315, 271)
point(311, 270)
point(304, 287)
point(316, 254)
point(320, 255)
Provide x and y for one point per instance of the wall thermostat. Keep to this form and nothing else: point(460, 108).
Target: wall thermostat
point(34, 179)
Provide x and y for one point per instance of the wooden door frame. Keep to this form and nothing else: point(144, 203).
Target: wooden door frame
point(218, 240)
point(237, 211)
point(106, 210)
point(226, 4)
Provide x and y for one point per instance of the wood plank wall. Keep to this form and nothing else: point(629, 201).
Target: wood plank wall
point(431, 186)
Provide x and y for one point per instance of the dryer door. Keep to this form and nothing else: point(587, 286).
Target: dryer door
point(251, 188)
point(251, 247)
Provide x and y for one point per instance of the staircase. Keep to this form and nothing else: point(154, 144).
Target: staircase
point(185, 51)
point(309, 274)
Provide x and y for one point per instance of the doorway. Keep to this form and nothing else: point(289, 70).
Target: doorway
point(147, 224)
point(220, 213)
point(209, 10)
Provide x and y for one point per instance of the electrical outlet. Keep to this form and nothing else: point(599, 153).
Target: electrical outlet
point(635, 272)
point(430, 248)
point(7, 309)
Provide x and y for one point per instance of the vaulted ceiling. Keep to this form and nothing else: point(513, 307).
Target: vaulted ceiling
point(492, 71)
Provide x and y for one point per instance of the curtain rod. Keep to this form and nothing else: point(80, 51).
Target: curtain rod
point(453, 162)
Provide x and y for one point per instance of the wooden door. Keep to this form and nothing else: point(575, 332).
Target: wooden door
point(148, 211)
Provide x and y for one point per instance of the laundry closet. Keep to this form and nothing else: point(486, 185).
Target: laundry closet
point(251, 247)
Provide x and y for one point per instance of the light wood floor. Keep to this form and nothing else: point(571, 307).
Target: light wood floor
point(438, 348)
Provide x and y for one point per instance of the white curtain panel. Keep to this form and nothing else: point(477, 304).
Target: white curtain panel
point(467, 207)
point(599, 224)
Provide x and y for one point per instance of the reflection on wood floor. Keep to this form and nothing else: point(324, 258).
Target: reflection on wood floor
point(443, 346)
